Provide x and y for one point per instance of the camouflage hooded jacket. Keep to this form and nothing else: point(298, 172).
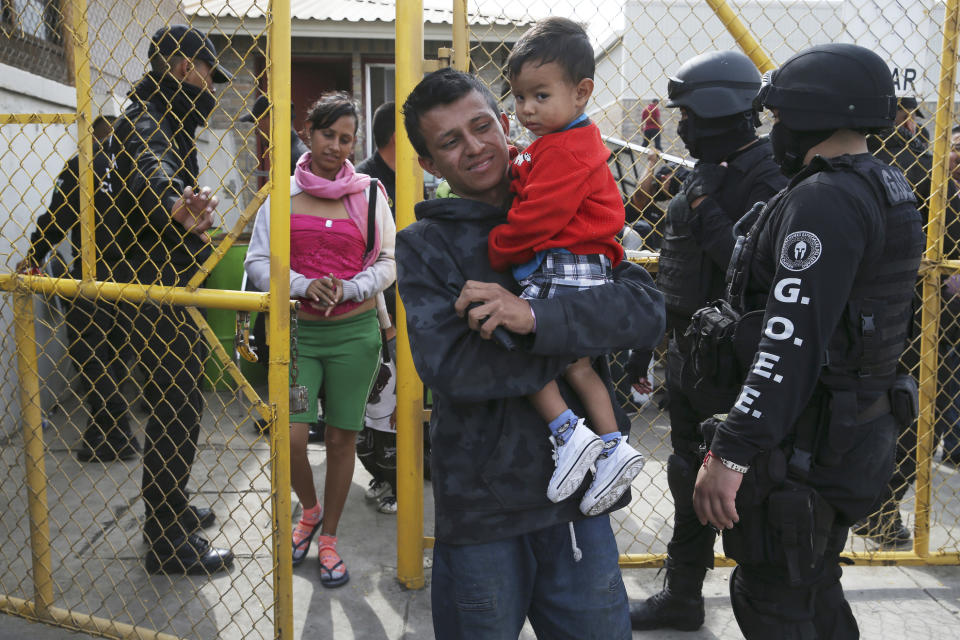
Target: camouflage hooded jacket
point(491, 458)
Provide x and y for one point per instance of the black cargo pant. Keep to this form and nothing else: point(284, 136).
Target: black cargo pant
point(377, 451)
point(767, 605)
point(98, 346)
point(770, 603)
point(691, 542)
point(172, 353)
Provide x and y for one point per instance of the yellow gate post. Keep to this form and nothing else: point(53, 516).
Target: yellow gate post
point(930, 318)
point(279, 320)
point(461, 36)
point(33, 451)
point(80, 47)
point(742, 35)
point(409, 71)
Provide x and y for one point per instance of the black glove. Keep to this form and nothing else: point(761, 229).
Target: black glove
point(704, 180)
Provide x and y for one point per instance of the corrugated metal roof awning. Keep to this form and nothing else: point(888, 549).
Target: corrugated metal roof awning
point(434, 12)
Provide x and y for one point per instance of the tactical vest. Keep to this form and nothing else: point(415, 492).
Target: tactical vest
point(864, 350)
point(686, 276)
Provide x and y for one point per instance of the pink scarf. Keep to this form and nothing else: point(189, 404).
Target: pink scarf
point(350, 188)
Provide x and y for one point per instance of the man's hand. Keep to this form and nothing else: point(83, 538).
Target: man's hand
point(498, 308)
point(27, 266)
point(653, 157)
point(327, 291)
point(714, 494)
point(642, 386)
point(194, 211)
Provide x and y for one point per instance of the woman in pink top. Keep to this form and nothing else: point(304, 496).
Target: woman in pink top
point(339, 283)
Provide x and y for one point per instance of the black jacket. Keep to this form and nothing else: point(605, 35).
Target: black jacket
point(154, 158)
point(491, 459)
point(751, 176)
point(376, 167)
point(63, 213)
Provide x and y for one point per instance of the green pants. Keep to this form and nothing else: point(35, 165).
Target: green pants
point(342, 357)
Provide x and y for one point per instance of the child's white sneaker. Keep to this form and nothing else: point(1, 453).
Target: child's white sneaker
point(573, 454)
point(614, 474)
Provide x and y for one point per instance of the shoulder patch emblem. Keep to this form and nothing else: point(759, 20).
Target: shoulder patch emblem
point(801, 249)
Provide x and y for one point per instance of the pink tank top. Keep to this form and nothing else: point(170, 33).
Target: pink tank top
point(321, 246)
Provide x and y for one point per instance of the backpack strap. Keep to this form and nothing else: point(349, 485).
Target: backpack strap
point(371, 215)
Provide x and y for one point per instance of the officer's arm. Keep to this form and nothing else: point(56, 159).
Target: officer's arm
point(713, 229)
point(712, 226)
point(819, 242)
point(59, 217)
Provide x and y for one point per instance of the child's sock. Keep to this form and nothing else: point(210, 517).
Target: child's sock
point(305, 529)
point(561, 420)
point(610, 442)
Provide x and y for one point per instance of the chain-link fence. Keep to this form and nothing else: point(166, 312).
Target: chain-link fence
point(130, 425)
point(109, 350)
point(638, 45)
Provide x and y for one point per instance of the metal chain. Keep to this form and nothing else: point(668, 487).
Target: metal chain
point(294, 353)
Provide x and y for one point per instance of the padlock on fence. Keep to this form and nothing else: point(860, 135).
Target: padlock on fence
point(299, 398)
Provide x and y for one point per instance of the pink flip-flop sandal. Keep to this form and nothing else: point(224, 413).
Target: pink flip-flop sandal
point(333, 573)
point(302, 537)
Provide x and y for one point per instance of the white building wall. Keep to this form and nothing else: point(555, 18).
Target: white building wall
point(33, 156)
point(659, 35)
point(612, 96)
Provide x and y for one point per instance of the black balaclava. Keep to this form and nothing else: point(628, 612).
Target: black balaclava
point(714, 139)
point(790, 147)
point(191, 105)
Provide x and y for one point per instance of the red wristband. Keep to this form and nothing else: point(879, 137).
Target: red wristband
point(709, 454)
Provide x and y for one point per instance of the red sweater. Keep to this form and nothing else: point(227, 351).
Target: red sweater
point(650, 116)
point(565, 198)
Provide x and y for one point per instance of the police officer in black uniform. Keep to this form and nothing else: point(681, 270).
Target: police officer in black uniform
point(714, 92)
point(161, 220)
point(808, 444)
point(95, 339)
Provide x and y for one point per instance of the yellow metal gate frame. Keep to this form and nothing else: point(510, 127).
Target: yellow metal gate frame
point(276, 302)
point(410, 67)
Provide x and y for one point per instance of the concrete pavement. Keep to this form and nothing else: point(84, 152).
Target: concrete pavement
point(96, 552)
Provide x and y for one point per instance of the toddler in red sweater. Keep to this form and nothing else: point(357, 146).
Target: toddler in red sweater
point(560, 237)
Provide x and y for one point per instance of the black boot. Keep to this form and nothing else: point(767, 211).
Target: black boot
point(191, 555)
point(886, 529)
point(193, 519)
point(678, 606)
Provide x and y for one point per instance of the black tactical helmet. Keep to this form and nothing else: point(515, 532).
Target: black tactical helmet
point(831, 86)
point(715, 84)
